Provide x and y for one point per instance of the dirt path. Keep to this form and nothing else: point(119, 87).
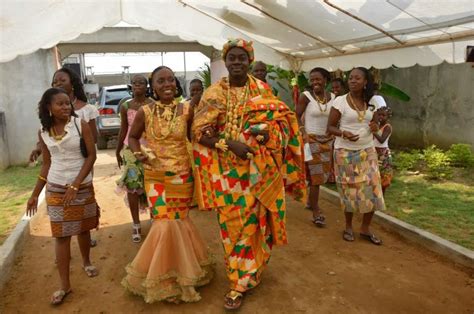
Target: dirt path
point(316, 272)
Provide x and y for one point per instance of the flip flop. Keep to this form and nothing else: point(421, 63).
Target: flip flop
point(233, 300)
point(371, 238)
point(91, 271)
point(319, 221)
point(348, 236)
point(58, 296)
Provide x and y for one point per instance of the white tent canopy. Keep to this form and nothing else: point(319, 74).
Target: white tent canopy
point(298, 34)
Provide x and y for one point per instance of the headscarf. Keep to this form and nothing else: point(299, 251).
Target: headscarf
point(241, 43)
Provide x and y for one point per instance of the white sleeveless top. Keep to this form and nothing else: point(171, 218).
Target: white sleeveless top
point(66, 157)
point(385, 143)
point(315, 119)
point(350, 122)
point(87, 113)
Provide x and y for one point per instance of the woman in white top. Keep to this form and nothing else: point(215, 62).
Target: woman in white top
point(314, 106)
point(69, 81)
point(353, 121)
point(70, 199)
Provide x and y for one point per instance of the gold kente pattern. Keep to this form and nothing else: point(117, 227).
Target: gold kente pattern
point(167, 139)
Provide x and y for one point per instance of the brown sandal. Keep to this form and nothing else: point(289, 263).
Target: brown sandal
point(233, 300)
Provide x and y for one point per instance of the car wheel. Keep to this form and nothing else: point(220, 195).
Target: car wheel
point(102, 142)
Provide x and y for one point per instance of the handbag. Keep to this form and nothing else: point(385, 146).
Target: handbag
point(82, 143)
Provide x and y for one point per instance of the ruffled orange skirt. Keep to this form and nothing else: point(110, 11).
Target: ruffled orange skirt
point(171, 263)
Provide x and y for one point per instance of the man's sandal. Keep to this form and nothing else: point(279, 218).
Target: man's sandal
point(59, 296)
point(348, 235)
point(91, 270)
point(371, 238)
point(233, 300)
point(319, 221)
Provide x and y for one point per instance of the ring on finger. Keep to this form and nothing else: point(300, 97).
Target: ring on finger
point(260, 138)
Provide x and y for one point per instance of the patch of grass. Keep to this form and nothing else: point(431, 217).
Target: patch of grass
point(442, 207)
point(16, 184)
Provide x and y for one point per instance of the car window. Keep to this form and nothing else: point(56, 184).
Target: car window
point(111, 97)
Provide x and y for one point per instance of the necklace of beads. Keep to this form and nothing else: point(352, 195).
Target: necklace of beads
point(166, 120)
point(360, 114)
point(232, 127)
point(320, 102)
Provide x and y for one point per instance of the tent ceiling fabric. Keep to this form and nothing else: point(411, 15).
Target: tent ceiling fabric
point(297, 34)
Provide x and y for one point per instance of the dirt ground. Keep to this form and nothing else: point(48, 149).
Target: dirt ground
point(317, 272)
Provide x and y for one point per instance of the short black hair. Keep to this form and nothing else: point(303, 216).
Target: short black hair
point(387, 109)
point(179, 89)
point(340, 80)
point(78, 87)
point(43, 111)
point(196, 81)
point(323, 72)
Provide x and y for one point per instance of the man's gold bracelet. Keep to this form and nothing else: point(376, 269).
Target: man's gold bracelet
point(222, 145)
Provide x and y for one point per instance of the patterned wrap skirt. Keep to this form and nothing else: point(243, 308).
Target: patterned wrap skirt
point(81, 215)
point(319, 169)
point(385, 166)
point(358, 180)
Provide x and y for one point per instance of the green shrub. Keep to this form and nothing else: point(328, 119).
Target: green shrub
point(404, 161)
point(461, 155)
point(437, 162)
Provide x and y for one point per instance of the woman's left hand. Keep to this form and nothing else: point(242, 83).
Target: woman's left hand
point(374, 126)
point(261, 136)
point(70, 195)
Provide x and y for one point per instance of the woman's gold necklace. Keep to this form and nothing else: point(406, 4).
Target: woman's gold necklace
point(55, 135)
point(166, 120)
point(320, 102)
point(360, 114)
point(232, 128)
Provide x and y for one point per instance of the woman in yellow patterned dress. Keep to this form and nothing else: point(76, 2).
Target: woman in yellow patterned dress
point(247, 151)
point(173, 259)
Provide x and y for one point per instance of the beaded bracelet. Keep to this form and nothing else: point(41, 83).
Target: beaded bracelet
point(73, 187)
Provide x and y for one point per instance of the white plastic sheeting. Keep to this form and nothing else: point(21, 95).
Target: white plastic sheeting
point(291, 33)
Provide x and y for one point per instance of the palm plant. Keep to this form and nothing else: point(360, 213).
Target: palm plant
point(204, 75)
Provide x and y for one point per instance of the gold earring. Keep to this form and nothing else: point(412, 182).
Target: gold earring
point(50, 114)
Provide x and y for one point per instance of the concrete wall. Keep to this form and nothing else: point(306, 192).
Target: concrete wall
point(441, 109)
point(22, 82)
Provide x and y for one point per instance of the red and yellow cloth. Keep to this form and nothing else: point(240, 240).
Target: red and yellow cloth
point(249, 195)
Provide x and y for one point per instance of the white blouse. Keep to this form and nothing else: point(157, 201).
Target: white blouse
point(316, 115)
point(87, 113)
point(66, 157)
point(350, 122)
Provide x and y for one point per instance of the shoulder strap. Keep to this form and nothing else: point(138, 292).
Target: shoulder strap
point(77, 128)
point(126, 103)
